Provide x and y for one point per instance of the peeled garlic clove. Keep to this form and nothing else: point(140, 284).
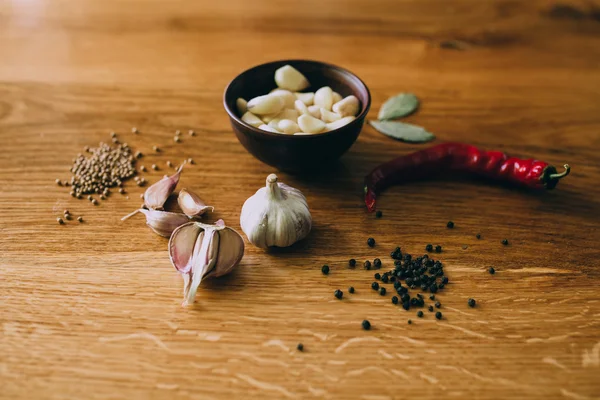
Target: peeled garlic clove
point(267, 128)
point(288, 77)
point(242, 106)
point(336, 97)
point(287, 97)
point(314, 111)
point(191, 204)
point(324, 98)
point(269, 117)
point(267, 104)
point(156, 195)
point(288, 113)
point(162, 223)
point(328, 116)
point(288, 126)
point(301, 107)
point(274, 124)
point(302, 134)
point(347, 107)
point(307, 98)
point(251, 119)
point(309, 124)
point(338, 124)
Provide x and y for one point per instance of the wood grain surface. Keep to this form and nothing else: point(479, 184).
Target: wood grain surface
point(92, 310)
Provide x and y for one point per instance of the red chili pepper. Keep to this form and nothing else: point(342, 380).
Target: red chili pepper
point(461, 158)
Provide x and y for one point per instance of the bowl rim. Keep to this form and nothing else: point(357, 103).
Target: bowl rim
point(254, 129)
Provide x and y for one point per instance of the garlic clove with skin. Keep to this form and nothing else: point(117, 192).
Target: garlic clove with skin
point(156, 195)
point(191, 204)
point(201, 251)
point(162, 223)
point(276, 215)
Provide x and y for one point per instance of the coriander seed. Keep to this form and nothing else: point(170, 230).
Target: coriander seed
point(191, 161)
point(155, 148)
point(60, 221)
point(143, 169)
point(95, 202)
point(134, 130)
point(113, 135)
point(191, 133)
point(177, 132)
point(155, 167)
point(138, 154)
point(79, 219)
point(177, 139)
point(169, 164)
point(121, 190)
point(58, 182)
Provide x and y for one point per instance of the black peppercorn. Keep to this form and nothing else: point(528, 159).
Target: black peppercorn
point(377, 276)
point(375, 286)
point(405, 297)
point(430, 308)
point(492, 270)
point(505, 242)
point(438, 304)
point(377, 263)
point(378, 214)
point(445, 280)
point(367, 264)
point(441, 286)
point(406, 305)
point(366, 325)
point(382, 291)
point(438, 315)
point(432, 297)
point(420, 314)
point(423, 286)
point(471, 303)
point(325, 269)
point(438, 249)
point(392, 278)
point(351, 289)
point(478, 236)
point(429, 247)
point(352, 263)
point(371, 242)
point(300, 347)
point(414, 301)
point(433, 288)
point(409, 322)
point(395, 299)
point(385, 278)
point(338, 294)
point(450, 224)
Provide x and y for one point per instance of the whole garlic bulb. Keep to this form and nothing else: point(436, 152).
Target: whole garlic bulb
point(276, 215)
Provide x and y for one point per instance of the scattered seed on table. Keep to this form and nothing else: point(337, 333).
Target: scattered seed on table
point(420, 314)
point(95, 202)
point(385, 278)
point(438, 249)
point(378, 214)
point(430, 308)
point(191, 161)
point(395, 299)
point(300, 347)
point(191, 132)
point(432, 297)
point(60, 221)
point(438, 315)
point(138, 154)
point(58, 182)
point(367, 264)
point(115, 140)
point(478, 236)
point(352, 263)
point(382, 291)
point(325, 269)
point(67, 216)
point(492, 271)
point(438, 304)
point(450, 224)
point(371, 242)
point(134, 130)
point(444, 280)
point(471, 303)
point(89, 197)
point(177, 132)
point(155, 148)
point(122, 191)
point(409, 321)
point(177, 139)
point(79, 219)
point(377, 263)
point(102, 197)
point(375, 286)
point(169, 164)
point(505, 242)
point(366, 325)
point(406, 305)
point(113, 134)
point(377, 276)
point(72, 193)
point(429, 247)
point(351, 289)
point(143, 169)
point(338, 294)
point(155, 167)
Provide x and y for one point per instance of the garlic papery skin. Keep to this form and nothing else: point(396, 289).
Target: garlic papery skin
point(156, 195)
point(162, 223)
point(201, 251)
point(191, 204)
point(276, 215)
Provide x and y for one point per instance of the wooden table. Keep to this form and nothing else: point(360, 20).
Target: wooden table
point(92, 310)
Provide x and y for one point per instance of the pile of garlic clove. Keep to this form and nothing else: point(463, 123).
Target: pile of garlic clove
point(287, 110)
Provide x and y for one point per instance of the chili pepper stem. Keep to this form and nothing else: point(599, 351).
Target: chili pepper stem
point(562, 174)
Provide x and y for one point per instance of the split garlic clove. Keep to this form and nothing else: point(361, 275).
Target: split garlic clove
point(301, 107)
point(162, 223)
point(267, 104)
point(251, 119)
point(242, 106)
point(324, 98)
point(348, 106)
point(336, 97)
point(338, 124)
point(287, 97)
point(191, 204)
point(314, 111)
point(267, 128)
point(288, 126)
point(200, 251)
point(307, 98)
point(157, 194)
point(288, 77)
point(328, 116)
point(309, 124)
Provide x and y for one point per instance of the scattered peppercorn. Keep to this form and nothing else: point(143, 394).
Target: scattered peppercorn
point(406, 305)
point(450, 224)
point(385, 278)
point(492, 271)
point(430, 308)
point(395, 299)
point(366, 325)
point(505, 242)
point(409, 321)
point(438, 249)
point(60, 221)
point(438, 304)
point(377, 276)
point(155, 148)
point(122, 191)
point(438, 315)
point(300, 347)
point(352, 263)
point(429, 247)
point(375, 286)
point(444, 280)
point(367, 264)
point(325, 269)
point(382, 291)
point(371, 242)
point(378, 214)
point(338, 294)
point(351, 289)
point(432, 297)
point(95, 202)
point(377, 263)
point(478, 236)
point(420, 314)
point(471, 303)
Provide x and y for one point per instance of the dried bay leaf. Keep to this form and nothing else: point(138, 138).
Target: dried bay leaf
point(398, 106)
point(402, 131)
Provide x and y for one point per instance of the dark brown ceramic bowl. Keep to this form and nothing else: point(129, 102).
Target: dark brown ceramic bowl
point(303, 152)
